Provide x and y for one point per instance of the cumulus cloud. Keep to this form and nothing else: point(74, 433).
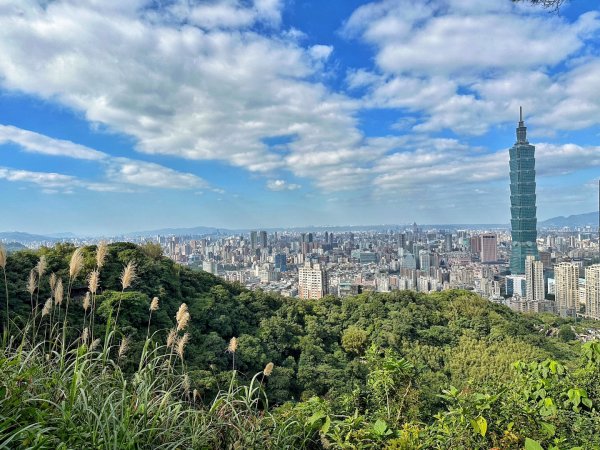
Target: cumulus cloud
point(119, 171)
point(282, 185)
point(466, 65)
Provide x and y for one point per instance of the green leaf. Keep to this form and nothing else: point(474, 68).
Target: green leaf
point(380, 427)
point(316, 416)
point(326, 425)
point(479, 425)
point(530, 444)
point(548, 429)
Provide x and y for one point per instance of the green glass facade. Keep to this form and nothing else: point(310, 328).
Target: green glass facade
point(522, 201)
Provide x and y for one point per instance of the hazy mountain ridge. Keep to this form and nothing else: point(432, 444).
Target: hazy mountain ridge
point(575, 220)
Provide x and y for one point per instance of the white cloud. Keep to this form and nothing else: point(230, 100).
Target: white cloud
point(38, 143)
point(465, 65)
point(119, 171)
point(282, 185)
point(140, 173)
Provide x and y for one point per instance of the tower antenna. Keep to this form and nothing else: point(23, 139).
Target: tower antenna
point(520, 114)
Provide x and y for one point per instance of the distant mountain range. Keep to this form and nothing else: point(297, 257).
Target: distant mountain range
point(577, 220)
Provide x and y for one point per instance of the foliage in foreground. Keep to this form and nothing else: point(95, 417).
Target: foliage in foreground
point(396, 371)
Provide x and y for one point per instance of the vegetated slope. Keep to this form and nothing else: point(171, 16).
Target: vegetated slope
point(384, 357)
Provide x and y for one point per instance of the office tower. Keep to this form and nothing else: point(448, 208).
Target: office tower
point(310, 237)
point(327, 237)
point(424, 260)
point(253, 239)
point(406, 259)
point(489, 246)
point(448, 242)
point(402, 240)
point(281, 262)
point(312, 281)
point(534, 279)
point(566, 279)
point(476, 245)
point(263, 239)
point(522, 200)
point(592, 291)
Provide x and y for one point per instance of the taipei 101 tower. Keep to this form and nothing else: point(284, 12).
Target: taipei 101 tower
point(522, 200)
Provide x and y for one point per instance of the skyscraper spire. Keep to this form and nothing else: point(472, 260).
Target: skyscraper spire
point(521, 129)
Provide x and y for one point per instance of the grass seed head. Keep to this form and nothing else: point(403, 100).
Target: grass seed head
point(47, 307)
point(41, 266)
point(85, 335)
point(95, 344)
point(58, 292)
point(31, 282)
point(101, 253)
point(52, 282)
point(154, 304)
point(182, 317)
point(128, 275)
point(181, 343)
point(171, 338)
point(76, 263)
point(185, 384)
point(86, 301)
point(94, 281)
point(268, 370)
point(233, 345)
point(3, 257)
point(123, 347)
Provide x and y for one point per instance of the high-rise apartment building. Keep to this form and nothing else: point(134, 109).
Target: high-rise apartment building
point(489, 246)
point(522, 200)
point(253, 239)
point(263, 239)
point(312, 281)
point(476, 244)
point(534, 279)
point(566, 279)
point(592, 291)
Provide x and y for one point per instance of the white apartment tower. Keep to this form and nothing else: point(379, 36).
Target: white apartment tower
point(312, 281)
point(592, 291)
point(489, 245)
point(534, 279)
point(566, 276)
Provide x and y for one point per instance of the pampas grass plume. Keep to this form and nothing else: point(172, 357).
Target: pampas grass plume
point(58, 292)
point(154, 304)
point(86, 301)
point(2, 257)
point(76, 263)
point(94, 281)
point(41, 266)
point(128, 275)
point(181, 343)
point(31, 282)
point(171, 338)
point(182, 317)
point(101, 253)
point(123, 347)
point(268, 370)
point(85, 335)
point(47, 307)
point(233, 345)
point(52, 282)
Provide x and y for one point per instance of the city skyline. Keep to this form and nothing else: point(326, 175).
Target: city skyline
point(269, 114)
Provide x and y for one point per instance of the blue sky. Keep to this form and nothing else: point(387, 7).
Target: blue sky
point(119, 116)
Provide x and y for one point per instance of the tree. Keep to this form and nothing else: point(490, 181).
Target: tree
point(550, 4)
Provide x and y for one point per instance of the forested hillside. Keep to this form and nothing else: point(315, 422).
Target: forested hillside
point(402, 370)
